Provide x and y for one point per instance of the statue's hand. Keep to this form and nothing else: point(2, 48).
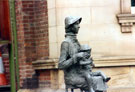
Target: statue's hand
point(92, 63)
point(91, 59)
point(78, 56)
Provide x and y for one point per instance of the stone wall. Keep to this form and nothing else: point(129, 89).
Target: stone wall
point(97, 17)
point(122, 80)
point(44, 79)
point(99, 26)
point(40, 29)
point(112, 50)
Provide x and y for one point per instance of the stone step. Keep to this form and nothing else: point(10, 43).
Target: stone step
point(119, 89)
point(122, 89)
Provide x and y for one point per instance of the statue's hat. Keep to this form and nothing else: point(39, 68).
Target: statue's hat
point(71, 20)
point(85, 47)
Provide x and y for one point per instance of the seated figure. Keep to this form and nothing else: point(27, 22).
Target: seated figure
point(86, 64)
point(72, 59)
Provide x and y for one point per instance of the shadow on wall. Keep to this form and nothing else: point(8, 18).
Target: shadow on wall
point(31, 83)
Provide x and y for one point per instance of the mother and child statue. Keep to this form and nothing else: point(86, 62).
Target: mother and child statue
point(76, 62)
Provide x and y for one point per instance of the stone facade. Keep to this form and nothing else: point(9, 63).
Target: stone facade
point(98, 18)
point(112, 47)
point(40, 29)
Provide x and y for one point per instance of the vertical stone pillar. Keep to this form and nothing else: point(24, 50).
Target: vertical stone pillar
point(125, 16)
point(57, 79)
point(125, 6)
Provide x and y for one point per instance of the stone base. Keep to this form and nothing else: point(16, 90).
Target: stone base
point(26, 90)
point(122, 79)
point(128, 89)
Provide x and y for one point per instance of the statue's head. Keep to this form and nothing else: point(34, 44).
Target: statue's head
point(86, 49)
point(72, 24)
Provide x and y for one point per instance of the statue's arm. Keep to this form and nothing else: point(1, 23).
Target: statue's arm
point(64, 62)
point(86, 62)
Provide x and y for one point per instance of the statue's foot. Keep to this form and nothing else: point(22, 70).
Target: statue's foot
point(107, 79)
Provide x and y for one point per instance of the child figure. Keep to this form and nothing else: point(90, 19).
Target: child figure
point(86, 64)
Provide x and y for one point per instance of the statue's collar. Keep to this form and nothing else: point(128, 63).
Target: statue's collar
point(70, 35)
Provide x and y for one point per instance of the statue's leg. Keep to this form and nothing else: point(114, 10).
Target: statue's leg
point(102, 74)
point(66, 90)
point(81, 90)
point(105, 78)
point(99, 91)
point(89, 82)
point(72, 90)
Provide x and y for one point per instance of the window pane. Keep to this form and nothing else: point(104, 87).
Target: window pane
point(132, 2)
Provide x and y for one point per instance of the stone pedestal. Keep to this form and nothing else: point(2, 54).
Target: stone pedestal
point(121, 72)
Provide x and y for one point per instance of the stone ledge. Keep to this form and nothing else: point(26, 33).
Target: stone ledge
point(114, 61)
point(99, 62)
point(126, 21)
point(124, 89)
point(45, 64)
point(126, 18)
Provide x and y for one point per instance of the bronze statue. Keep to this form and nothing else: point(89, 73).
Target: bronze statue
point(76, 61)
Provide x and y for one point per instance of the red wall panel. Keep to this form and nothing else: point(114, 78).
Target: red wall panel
point(4, 20)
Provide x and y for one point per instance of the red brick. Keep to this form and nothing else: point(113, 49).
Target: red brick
point(32, 27)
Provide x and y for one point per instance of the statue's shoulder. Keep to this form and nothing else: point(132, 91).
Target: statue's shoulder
point(66, 42)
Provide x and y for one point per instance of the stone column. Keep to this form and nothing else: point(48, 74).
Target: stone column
point(125, 6)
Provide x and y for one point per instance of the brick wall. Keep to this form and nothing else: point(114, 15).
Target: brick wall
point(44, 78)
point(41, 32)
point(32, 34)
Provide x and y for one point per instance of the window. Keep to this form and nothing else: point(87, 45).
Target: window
point(133, 3)
point(133, 6)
